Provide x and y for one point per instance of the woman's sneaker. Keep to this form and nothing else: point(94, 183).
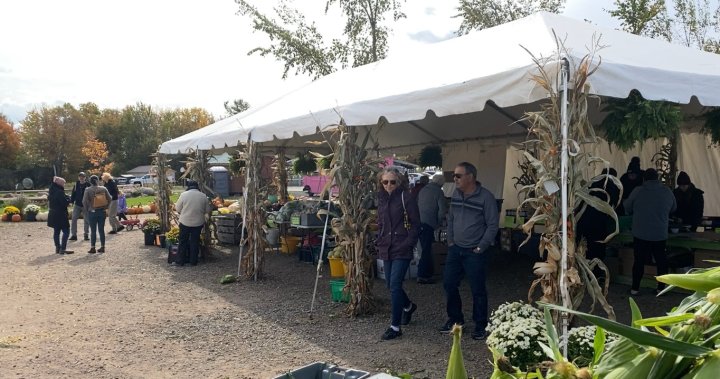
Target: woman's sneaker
point(407, 315)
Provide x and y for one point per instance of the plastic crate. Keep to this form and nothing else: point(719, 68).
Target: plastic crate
point(321, 370)
point(336, 288)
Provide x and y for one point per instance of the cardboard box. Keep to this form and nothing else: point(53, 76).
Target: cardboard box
point(410, 274)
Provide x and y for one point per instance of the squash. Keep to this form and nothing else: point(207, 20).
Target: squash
point(146, 209)
point(16, 218)
point(42, 216)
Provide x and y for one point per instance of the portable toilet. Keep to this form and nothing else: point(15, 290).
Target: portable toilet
point(221, 180)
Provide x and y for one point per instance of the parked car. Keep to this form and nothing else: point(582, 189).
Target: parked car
point(124, 179)
point(145, 180)
point(413, 177)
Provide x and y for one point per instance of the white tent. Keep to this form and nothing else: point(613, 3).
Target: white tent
point(440, 93)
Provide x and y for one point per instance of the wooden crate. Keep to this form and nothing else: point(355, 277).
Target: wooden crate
point(228, 229)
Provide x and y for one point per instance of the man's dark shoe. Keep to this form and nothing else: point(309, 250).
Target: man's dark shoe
point(67, 252)
point(407, 315)
point(478, 334)
point(101, 250)
point(72, 238)
point(112, 232)
point(91, 251)
point(391, 333)
point(449, 325)
point(425, 281)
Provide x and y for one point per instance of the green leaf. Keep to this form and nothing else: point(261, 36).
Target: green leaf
point(635, 311)
point(552, 337)
point(664, 320)
point(638, 336)
point(598, 344)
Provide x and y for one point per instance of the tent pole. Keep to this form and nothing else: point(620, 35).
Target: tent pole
point(320, 256)
point(564, 73)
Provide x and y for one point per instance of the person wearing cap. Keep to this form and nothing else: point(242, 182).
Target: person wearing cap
point(650, 206)
point(58, 215)
point(112, 188)
point(96, 214)
point(431, 201)
point(193, 206)
point(690, 201)
point(631, 179)
point(76, 197)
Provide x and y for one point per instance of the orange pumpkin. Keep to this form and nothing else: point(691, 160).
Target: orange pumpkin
point(16, 218)
point(153, 207)
point(4, 217)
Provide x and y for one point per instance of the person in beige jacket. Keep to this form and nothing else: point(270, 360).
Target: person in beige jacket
point(192, 205)
point(96, 212)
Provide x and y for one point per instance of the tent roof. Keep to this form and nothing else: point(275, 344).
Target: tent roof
point(440, 85)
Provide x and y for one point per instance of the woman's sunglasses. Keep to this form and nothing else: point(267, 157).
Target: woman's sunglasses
point(386, 182)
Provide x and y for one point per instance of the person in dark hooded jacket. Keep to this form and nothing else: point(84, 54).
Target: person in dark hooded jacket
point(690, 201)
point(629, 180)
point(398, 220)
point(58, 215)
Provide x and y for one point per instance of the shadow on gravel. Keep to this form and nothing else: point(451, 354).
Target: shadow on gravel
point(282, 300)
point(44, 259)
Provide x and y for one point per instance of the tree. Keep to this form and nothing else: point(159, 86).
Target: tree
point(97, 154)
point(54, 137)
point(237, 106)
point(177, 122)
point(139, 125)
point(302, 48)
point(643, 17)
point(483, 14)
point(694, 22)
point(9, 143)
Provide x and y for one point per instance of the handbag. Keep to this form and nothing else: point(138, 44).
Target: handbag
point(99, 201)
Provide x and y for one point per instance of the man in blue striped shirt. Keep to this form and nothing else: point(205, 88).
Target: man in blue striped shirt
point(472, 225)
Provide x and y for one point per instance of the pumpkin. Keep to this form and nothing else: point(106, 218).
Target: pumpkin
point(153, 207)
point(4, 217)
point(228, 203)
point(146, 209)
point(16, 218)
point(42, 216)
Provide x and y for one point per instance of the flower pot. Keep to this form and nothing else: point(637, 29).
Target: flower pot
point(160, 240)
point(337, 267)
point(30, 216)
point(149, 239)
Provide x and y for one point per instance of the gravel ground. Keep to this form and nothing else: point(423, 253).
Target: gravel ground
point(128, 314)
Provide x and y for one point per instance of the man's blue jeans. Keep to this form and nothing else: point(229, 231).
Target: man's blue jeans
point(61, 244)
point(464, 262)
point(426, 237)
point(395, 271)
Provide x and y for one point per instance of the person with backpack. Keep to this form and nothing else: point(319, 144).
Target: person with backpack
point(96, 201)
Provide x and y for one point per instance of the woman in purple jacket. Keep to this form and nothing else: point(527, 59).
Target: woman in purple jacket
point(399, 224)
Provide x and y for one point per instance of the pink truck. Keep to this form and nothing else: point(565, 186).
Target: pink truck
point(314, 184)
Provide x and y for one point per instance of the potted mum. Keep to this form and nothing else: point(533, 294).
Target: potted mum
point(31, 211)
point(172, 238)
point(151, 228)
point(11, 213)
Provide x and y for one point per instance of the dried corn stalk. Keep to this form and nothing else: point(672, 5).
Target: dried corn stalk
point(542, 151)
point(255, 215)
point(355, 174)
point(280, 179)
point(164, 191)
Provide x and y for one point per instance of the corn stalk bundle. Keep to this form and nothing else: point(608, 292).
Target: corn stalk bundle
point(255, 215)
point(162, 198)
point(354, 172)
point(542, 150)
point(280, 179)
point(197, 168)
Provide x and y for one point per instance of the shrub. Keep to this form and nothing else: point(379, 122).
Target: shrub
point(518, 341)
point(11, 210)
point(136, 193)
point(511, 311)
point(147, 191)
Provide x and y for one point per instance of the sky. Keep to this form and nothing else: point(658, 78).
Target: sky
point(175, 53)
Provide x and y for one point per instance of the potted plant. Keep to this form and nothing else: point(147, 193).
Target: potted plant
point(11, 213)
point(150, 227)
point(31, 211)
point(172, 238)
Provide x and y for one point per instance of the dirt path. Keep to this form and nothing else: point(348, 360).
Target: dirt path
point(128, 314)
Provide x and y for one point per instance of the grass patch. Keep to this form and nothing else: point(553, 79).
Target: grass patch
point(145, 200)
